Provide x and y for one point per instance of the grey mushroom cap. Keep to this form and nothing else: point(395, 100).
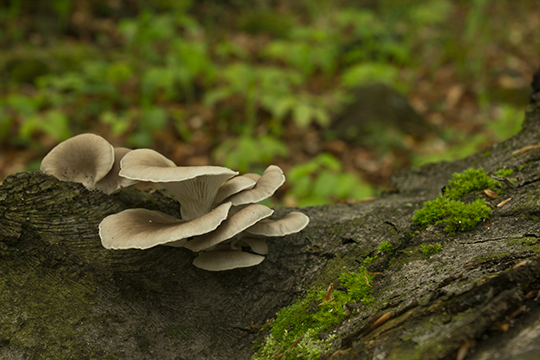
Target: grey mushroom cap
point(195, 187)
point(266, 186)
point(235, 224)
point(293, 222)
point(143, 229)
point(233, 186)
point(226, 260)
point(85, 158)
point(114, 182)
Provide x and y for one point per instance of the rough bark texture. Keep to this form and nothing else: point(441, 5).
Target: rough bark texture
point(63, 296)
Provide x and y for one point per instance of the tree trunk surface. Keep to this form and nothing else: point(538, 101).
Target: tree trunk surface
point(63, 296)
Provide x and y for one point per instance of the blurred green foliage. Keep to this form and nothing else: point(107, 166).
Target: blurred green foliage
point(322, 179)
point(140, 68)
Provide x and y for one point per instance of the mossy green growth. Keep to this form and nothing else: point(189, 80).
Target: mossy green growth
point(504, 172)
point(369, 260)
point(295, 332)
point(430, 248)
point(457, 215)
point(470, 180)
point(449, 209)
point(385, 247)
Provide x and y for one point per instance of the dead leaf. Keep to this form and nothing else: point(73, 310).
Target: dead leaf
point(525, 149)
point(504, 202)
point(329, 296)
point(492, 194)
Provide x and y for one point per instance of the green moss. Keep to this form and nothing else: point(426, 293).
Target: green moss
point(295, 332)
point(457, 215)
point(470, 180)
point(369, 260)
point(525, 165)
point(385, 247)
point(488, 257)
point(527, 243)
point(448, 207)
point(430, 248)
point(63, 303)
point(504, 172)
point(339, 265)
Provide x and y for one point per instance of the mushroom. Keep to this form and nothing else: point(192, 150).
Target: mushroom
point(234, 225)
point(234, 186)
point(226, 256)
point(85, 158)
point(113, 182)
point(143, 229)
point(219, 217)
point(293, 222)
point(195, 187)
point(266, 185)
point(226, 260)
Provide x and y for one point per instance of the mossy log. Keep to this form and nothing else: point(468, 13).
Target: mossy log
point(63, 296)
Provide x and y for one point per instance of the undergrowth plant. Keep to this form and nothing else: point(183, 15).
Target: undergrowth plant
point(323, 178)
point(165, 66)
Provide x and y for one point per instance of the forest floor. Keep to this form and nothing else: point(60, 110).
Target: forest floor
point(470, 97)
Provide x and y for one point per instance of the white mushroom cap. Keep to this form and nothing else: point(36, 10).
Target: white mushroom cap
point(233, 186)
point(85, 158)
point(266, 186)
point(113, 182)
point(143, 229)
point(252, 176)
point(292, 223)
point(195, 187)
point(235, 224)
point(226, 260)
point(258, 246)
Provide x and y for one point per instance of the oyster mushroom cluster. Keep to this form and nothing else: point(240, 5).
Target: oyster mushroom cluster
point(221, 219)
point(88, 159)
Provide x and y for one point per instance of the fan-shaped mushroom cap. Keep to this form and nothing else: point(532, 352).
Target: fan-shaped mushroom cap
point(195, 187)
point(258, 246)
point(113, 182)
point(143, 229)
point(266, 186)
point(226, 260)
point(235, 224)
point(252, 176)
point(233, 186)
point(292, 222)
point(85, 158)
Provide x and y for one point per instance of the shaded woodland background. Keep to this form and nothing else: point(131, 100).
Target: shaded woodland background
point(244, 85)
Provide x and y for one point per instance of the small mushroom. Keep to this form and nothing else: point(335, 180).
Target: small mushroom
point(266, 186)
point(143, 229)
point(195, 187)
point(85, 158)
point(226, 260)
point(113, 182)
point(234, 225)
point(293, 222)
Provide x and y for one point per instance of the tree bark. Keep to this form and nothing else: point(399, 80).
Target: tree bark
point(64, 296)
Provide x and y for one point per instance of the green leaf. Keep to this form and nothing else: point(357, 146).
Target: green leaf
point(302, 115)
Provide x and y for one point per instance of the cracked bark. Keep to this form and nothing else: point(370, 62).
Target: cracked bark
point(64, 296)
